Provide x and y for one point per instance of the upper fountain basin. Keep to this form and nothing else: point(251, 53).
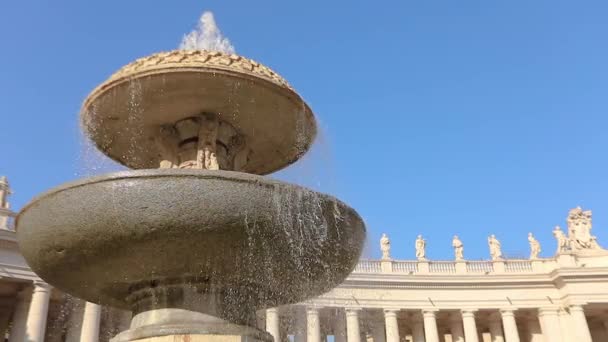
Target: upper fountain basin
point(124, 114)
point(240, 235)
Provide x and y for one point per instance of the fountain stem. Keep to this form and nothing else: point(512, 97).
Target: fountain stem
point(202, 142)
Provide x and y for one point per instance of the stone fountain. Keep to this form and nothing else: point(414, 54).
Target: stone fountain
point(195, 239)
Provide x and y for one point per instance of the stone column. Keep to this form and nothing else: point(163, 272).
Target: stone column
point(581, 327)
point(565, 321)
point(456, 328)
point(430, 326)
point(509, 325)
point(300, 325)
point(313, 327)
point(17, 333)
point(273, 323)
point(470, 328)
point(353, 333)
point(90, 323)
point(39, 308)
point(549, 322)
point(418, 330)
point(392, 327)
point(495, 326)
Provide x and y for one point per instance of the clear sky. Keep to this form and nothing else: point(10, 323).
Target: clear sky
point(438, 117)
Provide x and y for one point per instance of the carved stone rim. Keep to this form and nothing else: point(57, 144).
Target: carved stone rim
point(231, 176)
point(203, 59)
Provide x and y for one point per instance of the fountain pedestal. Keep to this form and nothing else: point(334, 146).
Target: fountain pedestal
point(199, 338)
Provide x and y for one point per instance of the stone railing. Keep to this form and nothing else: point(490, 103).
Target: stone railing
point(473, 267)
point(368, 266)
point(480, 267)
point(518, 266)
point(442, 267)
point(405, 266)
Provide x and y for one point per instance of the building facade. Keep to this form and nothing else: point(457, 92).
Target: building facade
point(559, 299)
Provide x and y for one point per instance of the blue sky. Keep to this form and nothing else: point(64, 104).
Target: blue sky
point(438, 117)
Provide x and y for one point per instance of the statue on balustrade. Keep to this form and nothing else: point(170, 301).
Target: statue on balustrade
point(458, 248)
point(579, 230)
point(420, 248)
point(495, 250)
point(563, 245)
point(534, 247)
point(385, 247)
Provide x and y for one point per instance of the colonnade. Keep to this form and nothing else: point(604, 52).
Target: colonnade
point(310, 324)
point(30, 314)
point(547, 324)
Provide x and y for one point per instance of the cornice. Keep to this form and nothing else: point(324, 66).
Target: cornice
point(17, 272)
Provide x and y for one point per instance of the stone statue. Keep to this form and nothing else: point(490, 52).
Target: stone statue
point(458, 248)
point(420, 248)
point(534, 246)
point(167, 142)
point(579, 230)
point(562, 241)
point(206, 157)
point(594, 244)
point(494, 244)
point(385, 247)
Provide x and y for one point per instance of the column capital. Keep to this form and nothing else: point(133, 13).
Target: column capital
point(352, 311)
point(576, 308)
point(312, 310)
point(468, 312)
point(390, 312)
point(548, 311)
point(40, 285)
point(429, 312)
point(505, 312)
point(273, 310)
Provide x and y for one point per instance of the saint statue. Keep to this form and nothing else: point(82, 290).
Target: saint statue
point(385, 247)
point(420, 248)
point(494, 244)
point(458, 248)
point(562, 241)
point(534, 246)
point(579, 230)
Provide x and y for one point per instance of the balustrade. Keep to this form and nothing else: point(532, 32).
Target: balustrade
point(405, 266)
point(516, 266)
point(442, 267)
point(368, 266)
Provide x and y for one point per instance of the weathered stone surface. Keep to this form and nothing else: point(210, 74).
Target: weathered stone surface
point(123, 115)
point(180, 322)
point(198, 338)
point(159, 238)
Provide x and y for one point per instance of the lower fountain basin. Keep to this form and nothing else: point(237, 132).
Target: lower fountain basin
point(218, 242)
